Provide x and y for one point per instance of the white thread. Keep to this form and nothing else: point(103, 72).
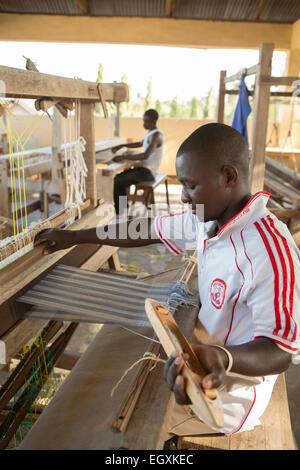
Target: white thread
point(142, 336)
point(146, 357)
point(76, 168)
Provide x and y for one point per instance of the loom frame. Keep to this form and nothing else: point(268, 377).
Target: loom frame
point(261, 100)
point(15, 277)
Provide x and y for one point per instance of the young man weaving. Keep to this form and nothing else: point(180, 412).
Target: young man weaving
point(248, 270)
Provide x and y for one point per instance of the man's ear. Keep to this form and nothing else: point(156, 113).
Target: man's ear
point(230, 175)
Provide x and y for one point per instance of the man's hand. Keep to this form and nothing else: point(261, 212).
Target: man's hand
point(56, 239)
point(116, 148)
point(119, 158)
point(212, 359)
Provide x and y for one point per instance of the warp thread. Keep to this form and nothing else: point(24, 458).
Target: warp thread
point(180, 295)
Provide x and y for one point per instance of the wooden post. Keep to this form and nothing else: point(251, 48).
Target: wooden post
point(117, 121)
point(87, 131)
point(260, 116)
point(4, 190)
point(221, 101)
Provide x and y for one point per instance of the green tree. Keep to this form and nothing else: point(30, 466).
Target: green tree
point(194, 108)
point(148, 97)
point(174, 108)
point(158, 106)
point(207, 105)
point(98, 106)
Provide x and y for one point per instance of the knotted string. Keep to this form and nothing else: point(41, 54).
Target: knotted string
point(148, 356)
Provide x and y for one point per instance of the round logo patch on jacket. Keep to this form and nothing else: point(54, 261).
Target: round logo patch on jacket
point(217, 292)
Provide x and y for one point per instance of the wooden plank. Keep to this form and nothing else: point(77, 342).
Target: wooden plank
point(280, 186)
point(4, 195)
point(258, 10)
point(260, 118)
point(286, 174)
point(17, 337)
point(87, 131)
point(67, 360)
point(57, 185)
point(237, 76)
point(287, 81)
point(221, 99)
point(29, 84)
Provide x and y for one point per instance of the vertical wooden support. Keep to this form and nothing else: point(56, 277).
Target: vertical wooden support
point(4, 190)
point(57, 185)
point(117, 121)
point(87, 131)
point(260, 116)
point(221, 101)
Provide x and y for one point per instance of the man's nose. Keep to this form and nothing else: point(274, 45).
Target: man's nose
point(185, 198)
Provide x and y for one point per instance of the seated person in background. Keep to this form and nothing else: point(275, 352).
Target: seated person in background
point(149, 159)
point(248, 278)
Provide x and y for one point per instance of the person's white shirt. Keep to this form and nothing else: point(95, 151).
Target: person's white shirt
point(153, 161)
point(248, 274)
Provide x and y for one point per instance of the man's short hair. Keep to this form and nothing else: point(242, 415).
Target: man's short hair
point(152, 113)
point(217, 145)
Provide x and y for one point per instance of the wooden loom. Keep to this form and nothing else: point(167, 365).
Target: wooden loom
point(18, 275)
point(266, 173)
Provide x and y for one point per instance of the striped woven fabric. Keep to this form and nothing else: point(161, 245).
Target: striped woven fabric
point(76, 294)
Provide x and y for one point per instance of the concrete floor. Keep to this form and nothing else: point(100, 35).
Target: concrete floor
point(156, 258)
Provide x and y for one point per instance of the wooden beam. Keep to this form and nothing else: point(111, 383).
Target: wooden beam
point(258, 10)
point(286, 81)
point(283, 94)
point(169, 8)
point(260, 118)
point(237, 76)
point(83, 5)
point(221, 99)
point(28, 84)
point(87, 131)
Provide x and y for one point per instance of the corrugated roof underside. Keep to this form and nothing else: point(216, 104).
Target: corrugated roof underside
point(226, 10)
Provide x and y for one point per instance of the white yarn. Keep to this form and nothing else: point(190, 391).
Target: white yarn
point(76, 169)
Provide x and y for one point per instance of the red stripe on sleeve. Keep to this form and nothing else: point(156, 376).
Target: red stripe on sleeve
point(276, 275)
point(285, 283)
point(168, 243)
point(292, 271)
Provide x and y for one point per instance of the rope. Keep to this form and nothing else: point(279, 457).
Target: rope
point(76, 169)
point(148, 356)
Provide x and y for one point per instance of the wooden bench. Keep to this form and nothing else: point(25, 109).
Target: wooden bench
point(148, 188)
point(275, 432)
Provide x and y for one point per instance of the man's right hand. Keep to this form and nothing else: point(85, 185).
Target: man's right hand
point(116, 148)
point(56, 239)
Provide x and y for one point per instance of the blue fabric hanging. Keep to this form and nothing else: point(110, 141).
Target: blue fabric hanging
point(242, 110)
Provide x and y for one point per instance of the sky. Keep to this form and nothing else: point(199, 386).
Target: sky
point(174, 71)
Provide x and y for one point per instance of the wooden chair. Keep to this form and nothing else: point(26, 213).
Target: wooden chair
point(148, 188)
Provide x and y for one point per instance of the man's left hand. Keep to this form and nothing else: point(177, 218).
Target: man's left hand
point(119, 158)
